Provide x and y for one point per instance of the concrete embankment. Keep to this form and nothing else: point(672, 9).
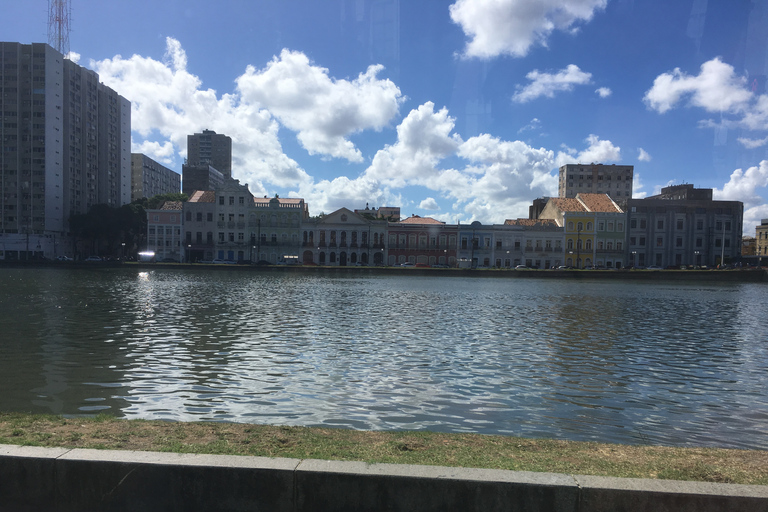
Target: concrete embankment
point(60, 479)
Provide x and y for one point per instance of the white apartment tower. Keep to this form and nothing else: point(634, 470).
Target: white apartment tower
point(614, 180)
point(65, 147)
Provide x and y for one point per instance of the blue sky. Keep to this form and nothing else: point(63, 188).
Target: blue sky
point(458, 110)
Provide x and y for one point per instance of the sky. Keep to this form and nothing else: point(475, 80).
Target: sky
point(460, 110)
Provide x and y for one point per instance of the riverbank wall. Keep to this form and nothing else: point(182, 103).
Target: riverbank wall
point(716, 276)
point(61, 479)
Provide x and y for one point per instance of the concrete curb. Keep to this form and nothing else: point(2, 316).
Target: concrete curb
point(58, 479)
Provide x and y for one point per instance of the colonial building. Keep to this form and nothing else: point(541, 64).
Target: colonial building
point(164, 236)
point(761, 239)
point(66, 147)
point(594, 229)
point(533, 243)
point(683, 226)
point(149, 178)
point(343, 238)
point(421, 240)
point(229, 224)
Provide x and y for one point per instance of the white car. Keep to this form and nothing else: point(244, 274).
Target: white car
point(63, 258)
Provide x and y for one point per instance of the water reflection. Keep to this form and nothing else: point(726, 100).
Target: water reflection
point(606, 361)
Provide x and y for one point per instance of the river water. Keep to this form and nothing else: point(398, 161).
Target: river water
point(626, 362)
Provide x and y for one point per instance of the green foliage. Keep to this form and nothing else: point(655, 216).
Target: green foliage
point(156, 202)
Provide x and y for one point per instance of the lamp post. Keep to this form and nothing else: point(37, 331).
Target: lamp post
point(697, 262)
point(578, 245)
point(634, 260)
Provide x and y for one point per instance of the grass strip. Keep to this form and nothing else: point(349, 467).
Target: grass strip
point(430, 448)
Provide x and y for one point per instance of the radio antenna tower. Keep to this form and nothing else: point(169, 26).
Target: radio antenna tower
point(58, 25)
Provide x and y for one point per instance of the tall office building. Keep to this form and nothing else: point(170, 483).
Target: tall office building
point(65, 147)
point(210, 148)
point(614, 180)
point(149, 178)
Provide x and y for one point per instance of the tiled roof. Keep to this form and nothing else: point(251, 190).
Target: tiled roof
point(568, 204)
point(530, 222)
point(203, 196)
point(598, 203)
point(172, 205)
point(415, 219)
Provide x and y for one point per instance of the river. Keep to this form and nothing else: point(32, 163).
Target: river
point(683, 364)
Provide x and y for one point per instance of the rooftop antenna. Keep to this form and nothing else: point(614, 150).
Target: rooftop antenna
point(58, 25)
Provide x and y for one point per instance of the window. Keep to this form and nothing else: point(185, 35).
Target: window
point(221, 237)
point(209, 217)
point(699, 224)
point(678, 242)
point(632, 241)
point(660, 224)
point(188, 216)
point(231, 237)
point(633, 223)
point(570, 226)
point(619, 227)
point(221, 200)
point(241, 201)
point(659, 242)
point(231, 200)
point(679, 223)
point(642, 224)
point(589, 226)
point(199, 216)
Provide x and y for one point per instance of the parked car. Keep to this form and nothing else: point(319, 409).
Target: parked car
point(654, 267)
point(522, 267)
point(407, 264)
point(218, 261)
point(63, 258)
point(360, 264)
point(93, 258)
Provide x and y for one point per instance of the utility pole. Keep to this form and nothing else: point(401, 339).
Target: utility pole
point(58, 25)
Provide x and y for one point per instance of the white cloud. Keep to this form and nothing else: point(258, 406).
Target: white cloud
point(643, 155)
point(511, 27)
point(547, 84)
point(716, 89)
point(163, 153)
point(603, 92)
point(326, 196)
point(429, 203)
point(599, 151)
point(423, 139)
point(752, 143)
point(74, 57)
point(742, 185)
point(322, 110)
point(637, 187)
point(535, 124)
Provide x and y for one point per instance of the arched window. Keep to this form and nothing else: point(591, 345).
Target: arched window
point(570, 243)
point(580, 244)
point(580, 226)
point(589, 226)
point(570, 226)
point(589, 244)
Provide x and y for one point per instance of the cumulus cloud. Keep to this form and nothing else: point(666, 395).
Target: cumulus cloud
point(429, 203)
point(643, 155)
point(511, 27)
point(603, 92)
point(743, 186)
point(163, 153)
point(547, 84)
point(322, 111)
point(423, 139)
point(637, 187)
point(168, 102)
point(716, 89)
point(752, 143)
point(599, 151)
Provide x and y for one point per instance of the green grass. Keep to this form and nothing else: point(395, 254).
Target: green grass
point(429, 448)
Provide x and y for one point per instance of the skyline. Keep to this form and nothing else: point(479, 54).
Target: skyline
point(460, 111)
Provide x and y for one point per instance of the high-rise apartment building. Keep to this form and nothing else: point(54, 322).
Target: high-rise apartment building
point(65, 147)
point(210, 148)
point(614, 180)
point(149, 178)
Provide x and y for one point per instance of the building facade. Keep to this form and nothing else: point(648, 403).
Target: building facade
point(683, 226)
point(149, 178)
point(614, 180)
point(344, 238)
point(66, 148)
point(200, 177)
point(761, 239)
point(210, 148)
point(421, 240)
point(164, 236)
point(594, 230)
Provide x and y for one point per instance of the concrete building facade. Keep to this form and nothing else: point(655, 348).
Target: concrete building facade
point(65, 147)
point(683, 226)
point(614, 180)
point(164, 236)
point(343, 238)
point(149, 178)
point(761, 239)
point(210, 148)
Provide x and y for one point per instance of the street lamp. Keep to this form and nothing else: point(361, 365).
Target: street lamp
point(634, 256)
